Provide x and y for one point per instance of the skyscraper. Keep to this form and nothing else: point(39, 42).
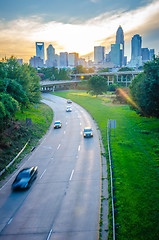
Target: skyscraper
point(63, 59)
point(115, 54)
point(50, 55)
point(152, 53)
point(136, 42)
point(40, 50)
point(73, 59)
point(136, 46)
point(99, 53)
point(145, 54)
point(120, 40)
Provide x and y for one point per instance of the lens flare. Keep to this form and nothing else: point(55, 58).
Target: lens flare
point(129, 100)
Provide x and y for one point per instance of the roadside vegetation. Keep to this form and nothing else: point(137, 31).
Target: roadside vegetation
point(20, 99)
point(17, 134)
point(135, 153)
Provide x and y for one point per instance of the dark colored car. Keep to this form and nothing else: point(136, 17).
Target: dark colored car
point(25, 178)
point(69, 101)
point(57, 124)
point(88, 132)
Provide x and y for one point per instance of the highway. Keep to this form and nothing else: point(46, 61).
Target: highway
point(64, 201)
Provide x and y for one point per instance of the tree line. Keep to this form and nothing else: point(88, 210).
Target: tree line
point(19, 87)
point(144, 89)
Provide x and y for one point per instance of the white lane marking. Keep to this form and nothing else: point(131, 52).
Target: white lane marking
point(66, 123)
point(79, 147)
point(10, 221)
point(72, 174)
point(58, 146)
point(42, 173)
point(80, 123)
point(64, 132)
point(49, 235)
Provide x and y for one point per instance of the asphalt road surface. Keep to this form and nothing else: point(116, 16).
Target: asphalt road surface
point(64, 201)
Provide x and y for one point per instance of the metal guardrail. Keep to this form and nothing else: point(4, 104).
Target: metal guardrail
point(111, 177)
point(13, 159)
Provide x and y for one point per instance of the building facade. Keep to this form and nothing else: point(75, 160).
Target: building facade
point(40, 50)
point(36, 62)
point(73, 59)
point(120, 40)
point(50, 56)
point(116, 54)
point(99, 53)
point(136, 43)
point(63, 59)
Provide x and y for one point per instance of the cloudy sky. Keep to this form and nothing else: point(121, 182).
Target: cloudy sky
point(75, 25)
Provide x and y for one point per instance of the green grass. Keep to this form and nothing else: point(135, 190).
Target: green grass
point(135, 152)
point(17, 134)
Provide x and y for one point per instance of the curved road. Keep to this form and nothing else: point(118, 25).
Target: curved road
point(64, 201)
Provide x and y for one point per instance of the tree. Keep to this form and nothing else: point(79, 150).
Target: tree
point(104, 70)
point(80, 69)
point(10, 105)
point(12, 87)
point(27, 77)
point(2, 114)
point(124, 69)
point(145, 89)
point(97, 85)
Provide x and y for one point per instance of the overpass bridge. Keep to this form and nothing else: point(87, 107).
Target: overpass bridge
point(119, 77)
point(51, 86)
point(124, 77)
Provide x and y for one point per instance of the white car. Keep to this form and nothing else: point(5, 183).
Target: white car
point(68, 109)
point(88, 132)
point(58, 124)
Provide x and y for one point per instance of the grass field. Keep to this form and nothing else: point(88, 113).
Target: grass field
point(13, 139)
point(135, 152)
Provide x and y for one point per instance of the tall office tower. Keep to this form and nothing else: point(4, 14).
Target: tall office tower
point(115, 54)
point(63, 59)
point(145, 54)
point(136, 46)
point(99, 53)
point(120, 40)
point(40, 50)
point(152, 53)
point(50, 56)
point(73, 59)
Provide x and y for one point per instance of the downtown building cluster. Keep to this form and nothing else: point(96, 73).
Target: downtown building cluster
point(114, 59)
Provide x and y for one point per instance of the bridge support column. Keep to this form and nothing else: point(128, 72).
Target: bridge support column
point(108, 81)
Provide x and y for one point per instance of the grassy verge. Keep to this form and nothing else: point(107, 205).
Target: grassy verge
point(17, 134)
point(135, 152)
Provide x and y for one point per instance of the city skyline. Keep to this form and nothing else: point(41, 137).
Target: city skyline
point(24, 25)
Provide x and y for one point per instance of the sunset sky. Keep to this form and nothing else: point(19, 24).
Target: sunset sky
point(75, 26)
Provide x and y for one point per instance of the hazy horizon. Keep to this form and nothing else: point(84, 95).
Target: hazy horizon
point(75, 26)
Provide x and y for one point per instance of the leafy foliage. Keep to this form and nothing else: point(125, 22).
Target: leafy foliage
point(54, 74)
point(145, 89)
point(97, 85)
point(19, 87)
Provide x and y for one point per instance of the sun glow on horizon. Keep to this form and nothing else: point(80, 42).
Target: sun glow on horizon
point(80, 38)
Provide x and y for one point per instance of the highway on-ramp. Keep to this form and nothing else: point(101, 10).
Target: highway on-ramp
point(64, 201)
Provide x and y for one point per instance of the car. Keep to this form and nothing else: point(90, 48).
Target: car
point(57, 124)
point(25, 178)
point(88, 132)
point(69, 101)
point(68, 109)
